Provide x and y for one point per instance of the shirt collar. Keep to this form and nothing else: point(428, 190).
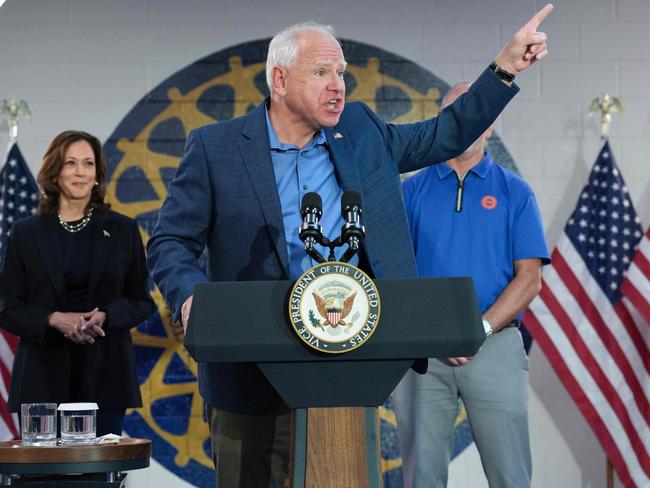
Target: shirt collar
point(480, 170)
point(275, 144)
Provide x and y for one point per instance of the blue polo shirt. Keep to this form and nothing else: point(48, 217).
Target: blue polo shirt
point(299, 171)
point(479, 231)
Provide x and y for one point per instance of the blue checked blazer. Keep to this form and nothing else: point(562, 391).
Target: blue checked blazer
point(224, 196)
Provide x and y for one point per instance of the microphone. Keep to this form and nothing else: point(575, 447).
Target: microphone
point(311, 232)
point(352, 231)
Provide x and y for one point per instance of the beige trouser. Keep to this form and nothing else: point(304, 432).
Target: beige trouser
point(494, 389)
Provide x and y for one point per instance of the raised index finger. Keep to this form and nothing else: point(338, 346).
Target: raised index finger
point(540, 16)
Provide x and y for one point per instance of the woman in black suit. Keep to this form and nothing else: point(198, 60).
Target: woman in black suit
point(74, 283)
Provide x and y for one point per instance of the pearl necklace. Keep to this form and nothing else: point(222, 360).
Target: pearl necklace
point(76, 227)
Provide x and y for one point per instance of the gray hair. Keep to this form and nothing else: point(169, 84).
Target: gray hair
point(283, 48)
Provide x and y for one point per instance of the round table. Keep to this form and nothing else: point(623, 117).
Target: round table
point(37, 466)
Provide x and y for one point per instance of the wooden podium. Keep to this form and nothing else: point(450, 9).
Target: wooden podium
point(335, 435)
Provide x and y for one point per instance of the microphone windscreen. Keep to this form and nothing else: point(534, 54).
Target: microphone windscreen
point(312, 200)
point(350, 198)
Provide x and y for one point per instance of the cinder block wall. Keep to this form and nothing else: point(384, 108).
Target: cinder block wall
point(85, 63)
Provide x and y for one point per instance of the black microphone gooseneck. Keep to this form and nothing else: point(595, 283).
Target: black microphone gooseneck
point(352, 231)
point(311, 232)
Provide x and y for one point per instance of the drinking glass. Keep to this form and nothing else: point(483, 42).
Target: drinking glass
point(78, 423)
point(38, 424)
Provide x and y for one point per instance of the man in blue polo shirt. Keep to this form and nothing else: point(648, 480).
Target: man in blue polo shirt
point(471, 217)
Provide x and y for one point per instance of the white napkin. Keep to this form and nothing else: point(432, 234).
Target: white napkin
point(109, 439)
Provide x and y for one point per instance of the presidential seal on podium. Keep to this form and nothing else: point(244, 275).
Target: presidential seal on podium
point(334, 307)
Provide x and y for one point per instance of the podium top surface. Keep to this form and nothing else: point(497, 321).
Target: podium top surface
point(128, 449)
point(249, 322)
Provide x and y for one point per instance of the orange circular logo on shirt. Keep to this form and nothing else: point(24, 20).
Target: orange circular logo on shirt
point(488, 202)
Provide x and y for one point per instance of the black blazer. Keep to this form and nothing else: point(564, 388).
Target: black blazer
point(32, 287)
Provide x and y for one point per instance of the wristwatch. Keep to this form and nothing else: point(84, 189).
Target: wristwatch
point(487, 326)
point(501, 73)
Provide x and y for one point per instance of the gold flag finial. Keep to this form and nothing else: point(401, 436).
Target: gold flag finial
point(606, 105)
point(13, 110)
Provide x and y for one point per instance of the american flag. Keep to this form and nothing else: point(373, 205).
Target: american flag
point(18, 200)
point(636, 286)
point(580, 322)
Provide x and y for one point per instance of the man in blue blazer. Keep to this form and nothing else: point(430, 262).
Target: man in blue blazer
point(238, 190)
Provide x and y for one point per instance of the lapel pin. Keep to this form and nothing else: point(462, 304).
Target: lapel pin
point(106, 234)
point(338, 135)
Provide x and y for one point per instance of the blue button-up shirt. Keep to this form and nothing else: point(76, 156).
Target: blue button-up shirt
point(299, 171)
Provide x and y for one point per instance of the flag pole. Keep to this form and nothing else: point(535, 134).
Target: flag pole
point(13, 110)
point(606, 105)
point(610, 474)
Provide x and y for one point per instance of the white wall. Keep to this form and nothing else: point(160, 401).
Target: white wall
point(84, 64)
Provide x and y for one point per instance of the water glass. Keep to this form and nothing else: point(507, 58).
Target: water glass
point(38, 424)
point(78, 423)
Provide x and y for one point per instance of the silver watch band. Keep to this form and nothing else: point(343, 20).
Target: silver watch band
point(487, 326)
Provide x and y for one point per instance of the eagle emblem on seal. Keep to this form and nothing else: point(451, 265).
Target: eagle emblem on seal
point(334, 311)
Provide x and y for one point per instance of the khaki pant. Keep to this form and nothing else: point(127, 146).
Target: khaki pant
point(251, 450)
point(494, 389)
